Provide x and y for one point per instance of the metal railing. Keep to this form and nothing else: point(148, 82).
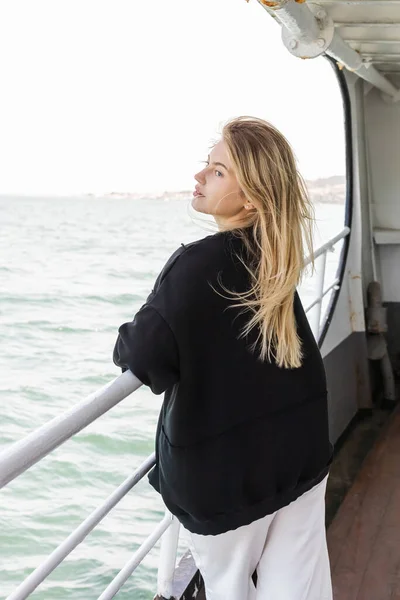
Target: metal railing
point(77, 536)
point(26, 452)
point(321, 253)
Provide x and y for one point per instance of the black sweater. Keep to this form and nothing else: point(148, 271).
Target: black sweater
point(237, 438)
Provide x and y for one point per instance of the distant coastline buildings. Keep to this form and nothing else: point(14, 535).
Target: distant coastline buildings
point(330, 190)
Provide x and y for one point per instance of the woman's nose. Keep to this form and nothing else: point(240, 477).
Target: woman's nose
point(199, 177)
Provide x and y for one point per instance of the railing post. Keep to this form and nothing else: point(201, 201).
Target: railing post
point(168, 553)
point(316, 314)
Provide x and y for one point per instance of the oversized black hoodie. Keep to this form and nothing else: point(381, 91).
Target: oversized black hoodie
point(237, 438)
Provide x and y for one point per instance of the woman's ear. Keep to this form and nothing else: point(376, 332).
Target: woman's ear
point(247, 205)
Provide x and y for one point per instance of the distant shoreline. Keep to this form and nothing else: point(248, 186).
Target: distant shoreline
point(331, 190)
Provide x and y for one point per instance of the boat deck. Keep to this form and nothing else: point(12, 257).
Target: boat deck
point(364, 536)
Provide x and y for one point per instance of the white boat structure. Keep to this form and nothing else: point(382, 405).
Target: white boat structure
point(359, 334)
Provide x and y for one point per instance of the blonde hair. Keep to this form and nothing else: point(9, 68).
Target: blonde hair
point(265, 167)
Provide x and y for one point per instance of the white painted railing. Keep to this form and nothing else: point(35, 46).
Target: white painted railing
point(321, 253)
point(35, 446)
point(77, 536)
point(26, 452)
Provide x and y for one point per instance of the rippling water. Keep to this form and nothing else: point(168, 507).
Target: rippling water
point(71, 271)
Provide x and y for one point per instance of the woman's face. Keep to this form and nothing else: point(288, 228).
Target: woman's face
point(217, 191)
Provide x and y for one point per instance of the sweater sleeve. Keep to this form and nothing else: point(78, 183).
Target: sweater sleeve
point(147, 347)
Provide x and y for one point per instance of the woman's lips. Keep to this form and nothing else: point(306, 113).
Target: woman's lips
point(196, 193)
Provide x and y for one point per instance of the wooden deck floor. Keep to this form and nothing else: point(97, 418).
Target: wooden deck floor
point(364, 536)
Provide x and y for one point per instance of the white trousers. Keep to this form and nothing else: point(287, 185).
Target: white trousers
point(288, 550)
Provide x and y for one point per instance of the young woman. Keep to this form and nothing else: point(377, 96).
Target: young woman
point(242, 443)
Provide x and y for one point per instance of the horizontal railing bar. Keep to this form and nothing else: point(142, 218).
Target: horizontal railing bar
point(336, 282)
point(26, 452)
point(116, 584)
point(80, 533)
point(328, 245)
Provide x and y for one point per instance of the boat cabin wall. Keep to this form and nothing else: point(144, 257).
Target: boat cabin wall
point(373, 205)
point(382, 128)
point(344, 347)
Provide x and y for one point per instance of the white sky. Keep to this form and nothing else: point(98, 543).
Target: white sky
point(125, 95)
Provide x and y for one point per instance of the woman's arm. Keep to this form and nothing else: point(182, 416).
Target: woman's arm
point(148, 348)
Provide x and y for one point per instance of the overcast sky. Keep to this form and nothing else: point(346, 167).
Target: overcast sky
point(125, 95)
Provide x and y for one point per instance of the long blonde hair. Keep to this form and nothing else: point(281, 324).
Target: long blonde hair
point(265, 168)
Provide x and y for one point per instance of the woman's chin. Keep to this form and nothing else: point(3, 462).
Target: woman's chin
point(198, 203)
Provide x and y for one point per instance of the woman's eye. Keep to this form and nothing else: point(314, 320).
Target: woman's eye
point(217, 173)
